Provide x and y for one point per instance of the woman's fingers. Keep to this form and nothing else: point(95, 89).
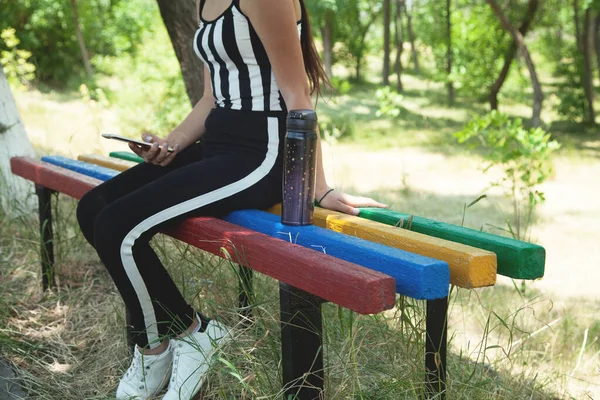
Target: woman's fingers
point(346, 209)
point(137, 149)
point(162, 154)
point(359, 201)
point(152, 153)
point(335, 201)
point(170, 156)
point(348, 204)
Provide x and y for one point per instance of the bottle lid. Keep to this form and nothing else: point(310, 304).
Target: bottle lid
point(302, 120)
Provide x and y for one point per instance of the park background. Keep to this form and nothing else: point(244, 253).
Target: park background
point(407, 122)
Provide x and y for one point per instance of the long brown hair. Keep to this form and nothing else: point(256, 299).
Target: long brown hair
point(312, 61)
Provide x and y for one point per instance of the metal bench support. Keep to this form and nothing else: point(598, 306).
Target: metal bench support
point(435, 348)
point(46, 235)
point(301, 344)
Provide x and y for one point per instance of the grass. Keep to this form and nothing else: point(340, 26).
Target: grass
point(70, 344)
point(506, 342)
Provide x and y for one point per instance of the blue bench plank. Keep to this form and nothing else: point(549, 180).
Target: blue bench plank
point(416, 276)
point(95, 171)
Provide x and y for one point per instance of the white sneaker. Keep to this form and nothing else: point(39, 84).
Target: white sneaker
point(146, 376)
point(191, 359)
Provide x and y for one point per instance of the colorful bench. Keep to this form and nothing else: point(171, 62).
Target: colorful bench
point(301, 295)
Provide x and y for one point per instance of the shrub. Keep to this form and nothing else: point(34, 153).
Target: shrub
point(522, 154)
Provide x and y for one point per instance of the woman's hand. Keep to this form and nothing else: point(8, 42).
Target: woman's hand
point(346, 203)
point(157, 154)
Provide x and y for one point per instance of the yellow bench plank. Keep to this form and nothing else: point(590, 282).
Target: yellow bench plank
point(470, 267)
point(108, 162)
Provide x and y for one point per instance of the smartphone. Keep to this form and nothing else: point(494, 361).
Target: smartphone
point(134, 141)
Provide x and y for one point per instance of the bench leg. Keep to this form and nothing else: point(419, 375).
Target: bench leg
point(246, 293)
point(301, 344)
point(46, 236)
point(435, 348)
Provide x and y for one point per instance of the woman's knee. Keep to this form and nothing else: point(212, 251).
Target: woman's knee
point(88, 208)
point(114, 230)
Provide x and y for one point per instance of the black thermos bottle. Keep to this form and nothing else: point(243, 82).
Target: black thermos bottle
point(299, 168)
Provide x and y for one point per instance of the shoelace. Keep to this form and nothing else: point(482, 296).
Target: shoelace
point(176, 354)
point(139, 369)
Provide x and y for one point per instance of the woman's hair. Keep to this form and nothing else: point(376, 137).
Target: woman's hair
point(312, 61)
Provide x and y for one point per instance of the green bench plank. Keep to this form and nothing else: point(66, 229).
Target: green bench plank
point(127, 156)
point(516, 259)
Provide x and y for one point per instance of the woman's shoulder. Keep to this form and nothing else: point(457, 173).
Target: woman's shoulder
point(244, 5)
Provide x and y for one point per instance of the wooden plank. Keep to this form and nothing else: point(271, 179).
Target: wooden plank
point(94, 171)
point(416, 276)
point(469, 267)
point(516, 259)
point(127, 156)
point(349, 285)
point(107, 162)
point(56, 178)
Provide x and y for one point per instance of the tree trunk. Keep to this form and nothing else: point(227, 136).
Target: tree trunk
point(363, 37)
point(451, 94)
point(578, 36)
point(181, 22)
point(399, 41)
point(327, 33)
point(15, 193)
point(588, 75)
point(510, 55)
point(538, 95)
point(84, 53)
point(411, 37)
point(597, 39)
point(386, 41)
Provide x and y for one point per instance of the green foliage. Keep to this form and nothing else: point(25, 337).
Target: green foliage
point(19, 71)
point(389, 101)
point(334, 127)
point(46, 28)
point(351, 20)
point(522, 154)
point(151, 95)
point(570, 102)
point(341, 86)
point(478, 43)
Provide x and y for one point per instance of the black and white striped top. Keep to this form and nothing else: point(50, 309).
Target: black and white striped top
point(241, 74)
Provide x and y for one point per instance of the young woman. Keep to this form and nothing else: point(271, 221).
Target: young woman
point(260, 61)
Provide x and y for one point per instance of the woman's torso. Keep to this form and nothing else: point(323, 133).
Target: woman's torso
point(241, 74)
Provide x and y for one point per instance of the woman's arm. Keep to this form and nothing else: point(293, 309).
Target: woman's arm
point(192, 127)
point(275, 24)
point(187, 133)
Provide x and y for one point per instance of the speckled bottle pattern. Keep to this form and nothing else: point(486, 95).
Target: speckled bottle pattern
point(299, 168)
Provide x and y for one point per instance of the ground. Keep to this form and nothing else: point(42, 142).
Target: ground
point(568, 223)
point(437, 182)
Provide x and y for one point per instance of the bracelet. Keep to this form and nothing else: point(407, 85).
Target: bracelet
point(326, 193)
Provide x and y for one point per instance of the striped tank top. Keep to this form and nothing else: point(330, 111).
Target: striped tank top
point(240, 71)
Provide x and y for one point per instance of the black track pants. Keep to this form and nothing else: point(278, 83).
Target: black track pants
point(236, 165)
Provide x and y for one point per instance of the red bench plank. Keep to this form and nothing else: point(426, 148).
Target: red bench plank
point(349, 285)
point(55, 178)
point(352, 286)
